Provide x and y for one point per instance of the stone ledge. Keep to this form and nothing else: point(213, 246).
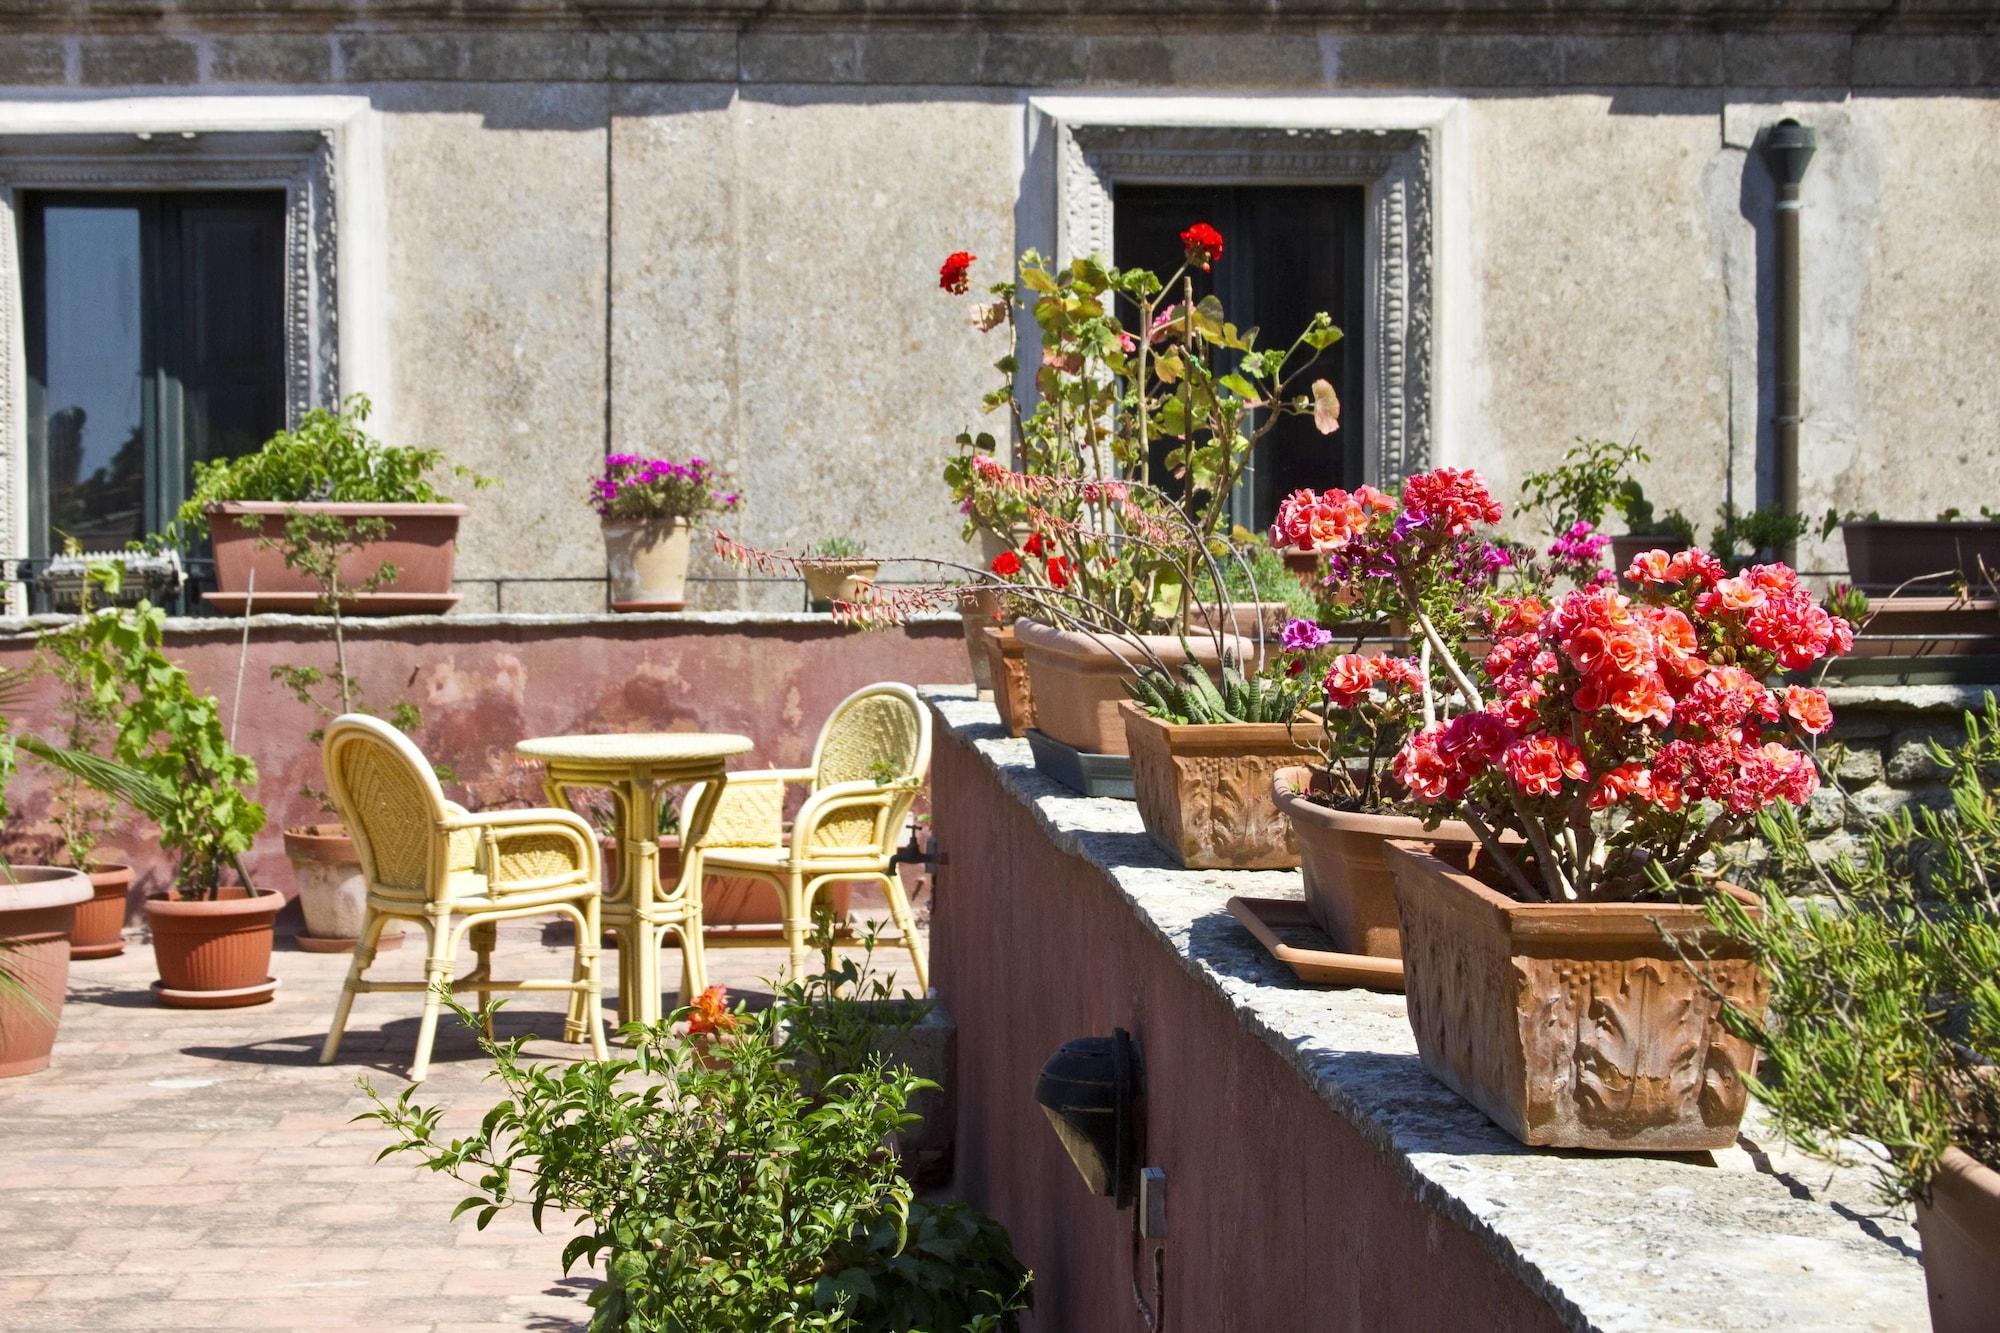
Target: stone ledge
point(1755, 1237)
point(16, 626)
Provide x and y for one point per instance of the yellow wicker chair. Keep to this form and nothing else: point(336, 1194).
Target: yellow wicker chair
point(868, 766)
point(428, 860)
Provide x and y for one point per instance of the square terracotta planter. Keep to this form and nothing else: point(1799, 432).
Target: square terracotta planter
point(1573, 1025)
point(421, 542)
point(1009, 668)
point(1078, 679)
point(1961, 1230)
point(1204, 792)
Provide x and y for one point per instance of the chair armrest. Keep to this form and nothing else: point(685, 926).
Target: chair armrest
point(833, 812)
point(522, 851)
point(750, 811)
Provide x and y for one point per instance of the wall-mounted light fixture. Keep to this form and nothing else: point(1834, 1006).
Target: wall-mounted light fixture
point(1088, 1090)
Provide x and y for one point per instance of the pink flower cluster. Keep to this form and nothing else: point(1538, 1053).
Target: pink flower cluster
point(1352, 676)
point(1578, 551)
point(1452, 500)
point(641, 488)
point(1326, 520)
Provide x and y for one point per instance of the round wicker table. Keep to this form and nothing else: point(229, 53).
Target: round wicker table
point(633, 768)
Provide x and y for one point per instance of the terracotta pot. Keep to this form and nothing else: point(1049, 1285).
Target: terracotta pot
point(1078, 679)
point(37, 909)
point(1961, 1230)
point(1349, 891)
point(830, 581)
point(978, 609)
point(1573, 1025)
point(1012, 694)
point(647, 562)
point(1930, 627)
point(1204, 792)
point(100, 923)
point(421, 542)
point(333, 895)
point(214, 955)
point(1883, 556)
point(1629, 546)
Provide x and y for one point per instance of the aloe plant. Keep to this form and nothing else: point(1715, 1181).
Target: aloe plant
point(1197, 699)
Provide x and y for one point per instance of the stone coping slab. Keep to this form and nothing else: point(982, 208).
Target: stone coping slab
point(362, 625)
point(1754, 1237)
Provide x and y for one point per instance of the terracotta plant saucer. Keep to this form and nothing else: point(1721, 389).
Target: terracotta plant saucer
point(216, 999)
point(629, 607)
point(1265, 918)
point(343, 943)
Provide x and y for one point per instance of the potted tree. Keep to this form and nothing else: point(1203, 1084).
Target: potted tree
point(647, 508)
point(211, 938)
point(1620, 739)
point(836, 570)
point(1572, 498)
point(332, 467)
point(1883, 1026)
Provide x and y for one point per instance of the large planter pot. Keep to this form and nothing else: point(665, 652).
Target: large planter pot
point(1204, 792)
point(979, 610)
point(1961, 1230)
point(37, 909)
point(1629, 546)
point(214, 954)
point(647, 562)
point(1350, 893)
point(1078, 679)
point(99, 931)
point(421, 541)
point(1007, 663)
point(1884, 556)
point(1574, 1025)
point(830, 581)
point(333, 895)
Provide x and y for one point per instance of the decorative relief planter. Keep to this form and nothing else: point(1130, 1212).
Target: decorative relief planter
point(1573, 1025)
point(1204, 791)
point(646, 561)
point(333, 895)
point(1007, 663)
point(214, 954)
point(830, 581)
point(99, 931)
point(1961, 1230)
point(1884, 556)
point(1078, 679)
point(37, 910)
point(421, 542)
point(1349, 890)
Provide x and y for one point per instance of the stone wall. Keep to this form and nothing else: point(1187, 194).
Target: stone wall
point(718, 232)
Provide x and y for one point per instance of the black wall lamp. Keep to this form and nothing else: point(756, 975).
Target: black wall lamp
point(1089, 1091)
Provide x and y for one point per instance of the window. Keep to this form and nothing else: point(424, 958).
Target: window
point(155, 331)
point(1289, 252)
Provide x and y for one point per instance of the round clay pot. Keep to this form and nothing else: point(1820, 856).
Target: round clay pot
point(647, 560)
point(1350, 893)
point(333, 895)
point(214, 954)
point(1961, 1230)
point(830, 581)
point(100, 923)
point(37, 910)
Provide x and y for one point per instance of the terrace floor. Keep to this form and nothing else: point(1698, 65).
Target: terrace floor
point(177, 1169)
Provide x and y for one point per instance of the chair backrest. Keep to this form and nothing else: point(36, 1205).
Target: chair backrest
point(880, 733)
point(389, 799)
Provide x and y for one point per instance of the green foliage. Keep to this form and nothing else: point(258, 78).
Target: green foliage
point(1591, 478)
point(1253, 572)
point(734, 1180)
point(1884, 1020)
point(83, 813)
point(172, 738)
point(838, 548)
point(1642, 521)
point(329, 457)
point(1197, 699)
point(1740, 539)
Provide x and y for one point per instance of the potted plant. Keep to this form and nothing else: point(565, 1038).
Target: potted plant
point(836, 570)
point(1382, 559)
point(1621, 739)
point(211, 939)
point(330, 466)
point(647, 508)
point(1883, 1026)
point(1895, 556)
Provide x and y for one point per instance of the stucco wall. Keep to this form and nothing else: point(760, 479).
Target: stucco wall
point(722, 237)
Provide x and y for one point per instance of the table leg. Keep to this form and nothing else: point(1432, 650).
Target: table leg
point(642, 866)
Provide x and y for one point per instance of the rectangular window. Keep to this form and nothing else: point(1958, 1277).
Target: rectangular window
point(1289, 251)
point(155, 337)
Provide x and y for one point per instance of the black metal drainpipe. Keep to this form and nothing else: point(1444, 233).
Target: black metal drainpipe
point(1788, 149)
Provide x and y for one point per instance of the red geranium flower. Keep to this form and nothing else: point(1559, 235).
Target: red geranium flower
point(1034, 545)
point(710, 1012)
point(952, 274)
point(1006, 564)
point(1203, 244)
point(1058, 568)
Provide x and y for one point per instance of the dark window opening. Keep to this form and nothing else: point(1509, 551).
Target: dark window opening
point(1289, 251)
point(155, 338)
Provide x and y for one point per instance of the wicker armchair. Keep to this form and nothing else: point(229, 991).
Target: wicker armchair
point(868, 766)
point(428, 860)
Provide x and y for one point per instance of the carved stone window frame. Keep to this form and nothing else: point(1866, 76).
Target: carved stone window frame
point(323, 152)
point(1396, 165)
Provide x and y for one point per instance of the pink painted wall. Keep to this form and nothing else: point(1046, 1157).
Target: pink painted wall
point(1281, 1217)
point(482, 686)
